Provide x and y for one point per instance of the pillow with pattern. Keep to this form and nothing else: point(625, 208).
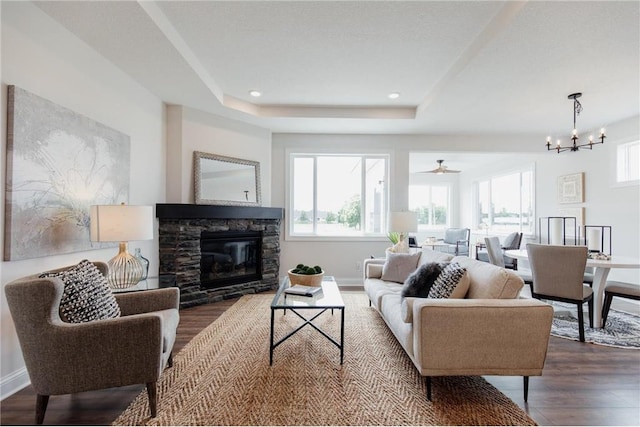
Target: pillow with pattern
point(453, 282)
point(86, 296)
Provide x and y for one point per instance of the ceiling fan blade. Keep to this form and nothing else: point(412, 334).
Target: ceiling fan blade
point(441, 169)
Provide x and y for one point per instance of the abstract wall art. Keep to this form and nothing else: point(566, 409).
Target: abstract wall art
point(59, 163)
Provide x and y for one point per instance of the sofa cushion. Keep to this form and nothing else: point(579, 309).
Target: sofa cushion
point(451, 283)
point(377, 288)
point(419, 283)
point(86, 295)
point(490, 281)
point(429, 255)
point(398, 267)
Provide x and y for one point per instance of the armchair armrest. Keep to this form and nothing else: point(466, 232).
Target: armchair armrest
point(73, 357)
point(148, 301)
point(481, 336)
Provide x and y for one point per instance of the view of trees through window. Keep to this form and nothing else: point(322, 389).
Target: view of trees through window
point(338, 195)
point(505, 202)
point(431, 202)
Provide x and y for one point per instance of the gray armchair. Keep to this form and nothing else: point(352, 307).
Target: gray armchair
point(457, 240)
point(65, 358)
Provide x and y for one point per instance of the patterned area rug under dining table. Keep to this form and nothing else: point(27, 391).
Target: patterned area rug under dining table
point(223, 377)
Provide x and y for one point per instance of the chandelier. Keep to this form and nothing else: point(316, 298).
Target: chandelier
point(577, 108)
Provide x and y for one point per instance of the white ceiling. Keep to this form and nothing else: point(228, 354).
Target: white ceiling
point(461, 67)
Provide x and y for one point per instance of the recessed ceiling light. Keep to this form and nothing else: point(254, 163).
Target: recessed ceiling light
point(255, 93)
point(394, 95)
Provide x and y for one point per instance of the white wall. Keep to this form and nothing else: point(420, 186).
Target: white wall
point(41, 57)
point(341, 258)
point(605, 203)
point(192, 130)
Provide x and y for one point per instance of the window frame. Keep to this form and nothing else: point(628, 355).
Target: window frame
point(620, 147)
point(476, 214)
point(449, 187)
point(293, 154)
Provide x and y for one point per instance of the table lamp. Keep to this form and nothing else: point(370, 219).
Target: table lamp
point(403, 223)
point(122, 223)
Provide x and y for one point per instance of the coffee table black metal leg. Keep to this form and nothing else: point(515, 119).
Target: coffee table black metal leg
point(271, 342)
point(341, 335)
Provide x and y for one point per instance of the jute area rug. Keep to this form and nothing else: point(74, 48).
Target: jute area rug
point(223, 377)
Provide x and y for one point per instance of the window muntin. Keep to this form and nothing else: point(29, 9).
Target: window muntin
point(505, 202)
point(338, 195)
point(431, 202)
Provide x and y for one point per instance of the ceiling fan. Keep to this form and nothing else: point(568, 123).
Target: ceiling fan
point(441, 169)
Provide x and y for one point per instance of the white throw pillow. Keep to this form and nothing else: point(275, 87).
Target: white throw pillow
point(398, 267)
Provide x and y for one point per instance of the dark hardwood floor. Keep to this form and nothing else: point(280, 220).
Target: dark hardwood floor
point(582, 384)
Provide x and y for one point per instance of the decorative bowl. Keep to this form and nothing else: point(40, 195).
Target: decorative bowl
point(305, 279)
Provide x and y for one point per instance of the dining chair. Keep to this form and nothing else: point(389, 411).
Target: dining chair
point(617, 289)
point(558, 273)
point(496, 257)
point(494, 251)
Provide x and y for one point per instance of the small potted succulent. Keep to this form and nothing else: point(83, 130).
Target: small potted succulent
point(304, 275)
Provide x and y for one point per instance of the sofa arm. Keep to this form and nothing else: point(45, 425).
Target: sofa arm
point(372, 268)
point(148, 301)
point(481, 336)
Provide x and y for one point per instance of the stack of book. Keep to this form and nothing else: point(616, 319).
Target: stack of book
point(306, 291)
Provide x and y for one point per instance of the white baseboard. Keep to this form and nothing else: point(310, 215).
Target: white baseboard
point(13, 383)
point(626, 305)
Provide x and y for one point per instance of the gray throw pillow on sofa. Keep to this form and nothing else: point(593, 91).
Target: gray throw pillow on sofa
point(86, 295)
point(399, 266)
point(419, 283)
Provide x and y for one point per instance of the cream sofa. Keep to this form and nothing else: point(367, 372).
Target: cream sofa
point(491, 331)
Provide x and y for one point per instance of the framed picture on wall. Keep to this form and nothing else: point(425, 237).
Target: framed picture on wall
point(59, 163)
point(571, 188)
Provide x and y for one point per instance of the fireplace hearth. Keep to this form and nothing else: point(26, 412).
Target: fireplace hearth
point(219, 252)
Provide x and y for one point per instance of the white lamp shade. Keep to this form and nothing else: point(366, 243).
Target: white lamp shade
point(121, 223)
point(403, 222)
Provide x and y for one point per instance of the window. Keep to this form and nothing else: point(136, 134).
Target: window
point(338, 195)
point(628, 162)
point(431, 202)
point(504, 203)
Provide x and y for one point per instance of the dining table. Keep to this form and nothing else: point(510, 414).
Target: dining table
point(601, 272)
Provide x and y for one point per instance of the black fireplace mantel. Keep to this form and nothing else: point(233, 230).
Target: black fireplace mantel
point(190, 211)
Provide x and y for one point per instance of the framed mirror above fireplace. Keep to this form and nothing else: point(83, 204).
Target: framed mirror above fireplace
point(222, 180)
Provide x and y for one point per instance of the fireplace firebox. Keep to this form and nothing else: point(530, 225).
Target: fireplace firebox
point(229, 257)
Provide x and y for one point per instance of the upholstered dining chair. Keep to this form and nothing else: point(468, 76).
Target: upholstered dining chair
point(496, 257)
point(494, 251)
point(618, 289)
point(557, 275)
point(457, 240)
point(133, 346)
point(511, 241)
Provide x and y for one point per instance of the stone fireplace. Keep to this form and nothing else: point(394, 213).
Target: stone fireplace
point(219, 252)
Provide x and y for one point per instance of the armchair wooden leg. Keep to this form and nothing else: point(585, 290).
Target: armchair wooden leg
point(152, 392)
point(526, 388)
point(428, 383)
point(590, 307)
point(41, 407)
